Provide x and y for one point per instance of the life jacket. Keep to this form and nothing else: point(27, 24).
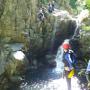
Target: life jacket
point(70, 59)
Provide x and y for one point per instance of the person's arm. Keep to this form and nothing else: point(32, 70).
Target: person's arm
point(66, 65)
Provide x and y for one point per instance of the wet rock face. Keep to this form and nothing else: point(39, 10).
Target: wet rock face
point(64, 30)
point(16, 16)
point(19, 23)
point(85, 41)
point(12, 65)
point(76, 45)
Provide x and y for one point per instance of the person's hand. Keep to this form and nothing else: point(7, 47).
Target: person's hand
point(67, 68)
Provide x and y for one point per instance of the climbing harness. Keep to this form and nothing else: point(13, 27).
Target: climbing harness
point(71, 73)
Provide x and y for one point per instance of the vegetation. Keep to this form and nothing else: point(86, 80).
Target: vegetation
point(88, 4)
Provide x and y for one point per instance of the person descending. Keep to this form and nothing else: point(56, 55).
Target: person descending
point(51, 7)
point(41, 15)
point(88, 73)
point(69, 60)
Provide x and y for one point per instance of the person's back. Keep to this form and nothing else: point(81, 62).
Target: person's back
point(70, 59)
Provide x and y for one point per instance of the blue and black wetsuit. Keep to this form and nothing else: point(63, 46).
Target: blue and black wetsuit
point(70, 59)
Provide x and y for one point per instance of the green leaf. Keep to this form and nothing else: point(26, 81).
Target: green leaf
point(86, 28)
point(88, 4)
point(72, 3)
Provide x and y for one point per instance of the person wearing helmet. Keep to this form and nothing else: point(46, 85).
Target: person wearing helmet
point(88, 73)
point(41, 15)
point(69, 63)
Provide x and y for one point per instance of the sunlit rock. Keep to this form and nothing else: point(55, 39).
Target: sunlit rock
point(19, 55)
point(62, 14)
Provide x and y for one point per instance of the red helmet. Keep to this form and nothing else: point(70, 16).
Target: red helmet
point(66, 46)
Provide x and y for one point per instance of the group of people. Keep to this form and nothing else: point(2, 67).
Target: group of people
point(70, 63)
point(42, 11)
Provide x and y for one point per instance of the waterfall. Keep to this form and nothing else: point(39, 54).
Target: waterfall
point(76, 32)
point(80, 17)
point(59, 57)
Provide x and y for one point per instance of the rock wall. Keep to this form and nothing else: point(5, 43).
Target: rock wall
point(19, 24)
point(85, 42)
point(10, 67)
point(64, 29)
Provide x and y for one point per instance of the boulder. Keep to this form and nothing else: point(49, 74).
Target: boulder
point(12, 62)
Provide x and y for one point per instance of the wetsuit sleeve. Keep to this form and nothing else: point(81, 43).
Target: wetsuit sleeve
point(68, 60)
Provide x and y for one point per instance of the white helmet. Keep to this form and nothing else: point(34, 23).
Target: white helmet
point(66, 41)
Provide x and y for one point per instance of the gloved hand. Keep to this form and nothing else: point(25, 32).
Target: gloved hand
point(67, 68)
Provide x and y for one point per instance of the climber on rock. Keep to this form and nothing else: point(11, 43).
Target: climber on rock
point(51, 7)
point(41, 16)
